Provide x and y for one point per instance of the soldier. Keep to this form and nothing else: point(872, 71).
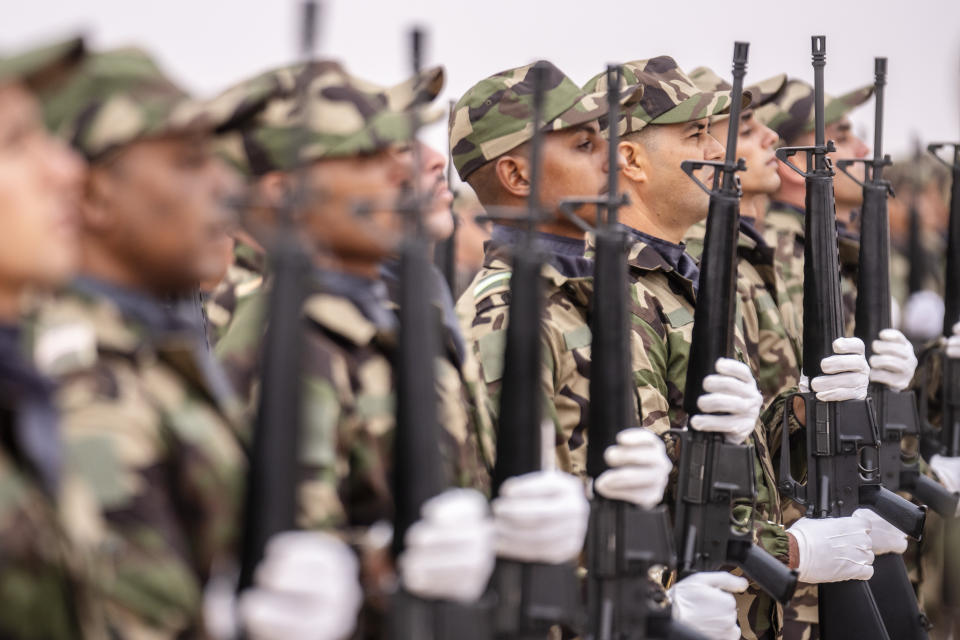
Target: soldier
point(668, 125)
point(50, 529)
point(356, 167)
point(146, 413)
point(489, 139)
point(772, 347)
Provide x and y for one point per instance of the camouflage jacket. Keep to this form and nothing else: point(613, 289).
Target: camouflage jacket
point(661, 307)
point(783, 230)
point(244, 277)
point(484, 311)
point(145, 422)
point(772, 347)
point(50, 527)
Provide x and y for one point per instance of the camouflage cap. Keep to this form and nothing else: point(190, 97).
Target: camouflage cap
point(669, 95)
point(26, 65)
point(760, 93)
point(494, 115)
point(344, 116)
point(791, 112)
point(120, 96)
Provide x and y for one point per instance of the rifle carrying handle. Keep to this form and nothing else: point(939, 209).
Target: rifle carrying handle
point(936, 497)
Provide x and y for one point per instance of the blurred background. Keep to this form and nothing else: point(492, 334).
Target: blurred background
point(208, 44)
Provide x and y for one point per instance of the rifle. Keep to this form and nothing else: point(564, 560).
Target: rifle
point(896, 411)
point(843, 440)
point(946, 441)
point(270, 504)
point(916, 252)
point(445, 252)
point(713, 473)
point(417, 463)
point(624, 541)
point(532, 596)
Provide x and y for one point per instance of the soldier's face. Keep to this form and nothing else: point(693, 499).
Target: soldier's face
point(40, 187)
point(755, 144)
point(845, 190)
point(354, 216)
point(574, 165)
point(667, 188)
point(165, 201)
point(438, 219)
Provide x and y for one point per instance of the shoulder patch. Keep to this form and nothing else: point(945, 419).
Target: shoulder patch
point(679, 317)
point(494, 280)
point(491, 346)
point(579, 337)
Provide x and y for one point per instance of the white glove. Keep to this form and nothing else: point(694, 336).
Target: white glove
point(923, 315)
point(703, 603)
point(732, 402)
point(833, 549)
point(640, 469)
point(448, 553)
point(306, 587)
point(953, 342)
point(846, 375)
point(893, 362)
point(541, 517)
point(884, 537)
point(948, 470)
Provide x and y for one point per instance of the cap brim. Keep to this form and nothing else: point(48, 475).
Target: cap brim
point(767, 90)
point(420, 89)
point(24, 66)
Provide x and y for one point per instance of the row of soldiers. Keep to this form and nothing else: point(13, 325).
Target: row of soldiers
point(128, 437)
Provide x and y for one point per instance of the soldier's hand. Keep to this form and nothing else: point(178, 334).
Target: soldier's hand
point(893, 362)
point(846, 374)
point(884, 537)
point(923, 315)
point(289, 602)
point(541, 517)
point(833, 549)
point(704, 603)
point(449, 552)
point(640, 469)
point(953, 343)
point(732, 402)
point(948, 471)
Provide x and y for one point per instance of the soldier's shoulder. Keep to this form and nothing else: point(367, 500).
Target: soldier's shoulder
point(658, 302)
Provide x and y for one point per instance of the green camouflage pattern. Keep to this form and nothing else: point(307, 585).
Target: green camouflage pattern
point(496, 114)
point(772, 351)
point(349, 404)
point(120, 96)
point(154, 440)
point(668, 95)
point(661, 314)
point(484, 312)
point(791, 113)
point(244, 277)
point(784, 231)
point(26, 66)
point(761, 92)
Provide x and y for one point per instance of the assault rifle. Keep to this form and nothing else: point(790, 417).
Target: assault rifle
point(418, 467)
point(843, 438)
point(896, 411)
point(715, 474)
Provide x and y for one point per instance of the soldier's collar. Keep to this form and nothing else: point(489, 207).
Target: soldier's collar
point(786, 207)
point(565, 255)
point(751, 242)
point(347, 304)
point(153, 314)
point(644, 255)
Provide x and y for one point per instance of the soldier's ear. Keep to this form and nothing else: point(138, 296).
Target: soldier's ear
point(513, 174)
point(635, 161)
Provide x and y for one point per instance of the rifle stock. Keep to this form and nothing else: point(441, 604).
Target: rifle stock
point(714, 474)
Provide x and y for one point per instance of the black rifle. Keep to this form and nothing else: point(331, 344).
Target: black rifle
point(916, 252)
point(843, 439)
point(270, 505)
point(896, 411)
point(417, 463)
point(946, 440)
point(445, 252)
point(531, 596)
point(715, 474)
point(624, 541)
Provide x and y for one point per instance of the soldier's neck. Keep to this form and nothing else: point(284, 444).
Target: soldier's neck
point(103, 265)
point(353, 265)
point(792, 194)
point(754, 205)
point(564, 229)
point(653, 223)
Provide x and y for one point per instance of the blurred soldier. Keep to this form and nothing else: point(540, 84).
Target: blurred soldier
point(146, 412)
point(50, 529)
point(669, 125)
point(773, 348)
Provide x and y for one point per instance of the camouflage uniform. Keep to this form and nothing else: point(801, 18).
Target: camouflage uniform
point(244, 277)
point(147, 416)
point(663, 295)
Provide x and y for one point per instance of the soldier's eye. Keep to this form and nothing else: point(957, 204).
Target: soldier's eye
point(586, 145)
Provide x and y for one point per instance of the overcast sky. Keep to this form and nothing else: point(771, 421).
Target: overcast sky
point(208, 44)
